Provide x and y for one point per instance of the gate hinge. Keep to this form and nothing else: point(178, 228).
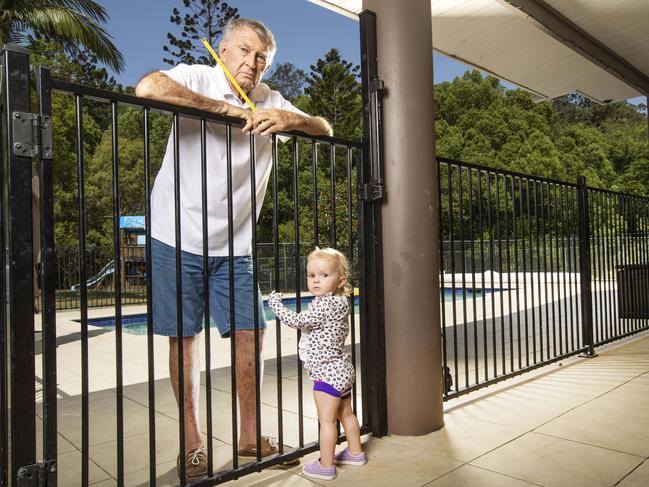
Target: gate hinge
point(32, 135)
point(376, 85)
point(371, 191)
point(37, 475)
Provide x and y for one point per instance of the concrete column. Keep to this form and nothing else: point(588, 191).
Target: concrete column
point(410, 240)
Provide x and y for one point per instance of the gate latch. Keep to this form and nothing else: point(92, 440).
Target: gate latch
point(371, 191)
point(37, 475)
point(32, 135)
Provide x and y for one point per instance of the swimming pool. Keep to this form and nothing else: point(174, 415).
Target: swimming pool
point(137, 324)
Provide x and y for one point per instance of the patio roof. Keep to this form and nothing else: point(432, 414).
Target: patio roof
point(549, 47)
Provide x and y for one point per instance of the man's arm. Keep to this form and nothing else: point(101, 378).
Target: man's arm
point(268, 121)
point(158, 86)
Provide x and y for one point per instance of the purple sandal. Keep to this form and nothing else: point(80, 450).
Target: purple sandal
point(345, 457)
point(315, 470)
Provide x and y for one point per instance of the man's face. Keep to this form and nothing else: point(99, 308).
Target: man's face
point(245, 55)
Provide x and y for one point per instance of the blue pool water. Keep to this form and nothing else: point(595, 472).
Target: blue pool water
point(136, 324)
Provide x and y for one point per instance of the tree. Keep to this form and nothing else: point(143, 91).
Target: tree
point(65, 22)
point(336, 94)
point(288, 80)
point(201, 18)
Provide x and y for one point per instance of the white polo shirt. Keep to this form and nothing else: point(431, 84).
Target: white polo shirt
point(211, 82)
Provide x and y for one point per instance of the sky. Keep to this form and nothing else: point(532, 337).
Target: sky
point(304, 33)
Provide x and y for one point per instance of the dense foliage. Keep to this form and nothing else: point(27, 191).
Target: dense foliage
point(477, 120)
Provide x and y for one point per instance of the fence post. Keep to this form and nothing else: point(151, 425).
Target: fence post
point(370, 248)
point(584, 269)
point(18, 319)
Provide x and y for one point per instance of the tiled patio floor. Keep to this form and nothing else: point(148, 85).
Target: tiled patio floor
point(583, 423)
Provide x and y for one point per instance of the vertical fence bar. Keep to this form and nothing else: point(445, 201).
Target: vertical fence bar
point(644, 235)
point(352, 299)
point(4, 335)
point(594, 238)
point(537, 230)
point(516, 272)
point(332, 182)
point(616, 260)
point(524, 265)
point(48, 275)
point(584, 267)
point(500, 273)
point(609, 270)
point(255, 292)
point(83, 294)
point(508, 252)
point(491, 267)
point(603, 254)
point(451, 231)
point(119, 393)
point(573, 245)
point(445, 368)
point(276, 284)
point(460, 198)
point(624, 260)
point(545, 231)
point(17, 209)
point(531, 245)
point(231, 299)
point(483, 273)
point(314, 171)
point(473, 288)
point(149, 298)
point(179, 298)
point(296, 283)
point(564, 301)
point(206, 299)
point(552, 219)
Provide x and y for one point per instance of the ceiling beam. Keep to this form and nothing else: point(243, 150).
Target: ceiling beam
point(573, 36)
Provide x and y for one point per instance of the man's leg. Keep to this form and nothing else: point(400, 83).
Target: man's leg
point(191, 375)
point(245, 371)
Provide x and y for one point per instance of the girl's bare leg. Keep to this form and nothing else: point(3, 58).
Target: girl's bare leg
point(351, 426)
point(327, 407)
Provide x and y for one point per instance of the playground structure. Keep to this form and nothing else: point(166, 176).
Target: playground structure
point(132, 259)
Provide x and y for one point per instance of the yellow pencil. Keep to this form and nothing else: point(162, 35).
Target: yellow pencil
point(227, 73)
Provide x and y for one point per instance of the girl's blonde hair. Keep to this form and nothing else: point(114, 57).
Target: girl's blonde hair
point(341, 262)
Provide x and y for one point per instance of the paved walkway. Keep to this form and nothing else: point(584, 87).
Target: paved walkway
point(585, 423)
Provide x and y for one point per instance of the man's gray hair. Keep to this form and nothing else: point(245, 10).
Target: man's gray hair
point(262, 31)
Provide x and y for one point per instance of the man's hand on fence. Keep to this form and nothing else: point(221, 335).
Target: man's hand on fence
point(269, 121)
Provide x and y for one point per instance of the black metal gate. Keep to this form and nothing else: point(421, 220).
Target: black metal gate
point(51, 430)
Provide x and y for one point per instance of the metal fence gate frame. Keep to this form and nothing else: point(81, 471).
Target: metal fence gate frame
point(26, 144)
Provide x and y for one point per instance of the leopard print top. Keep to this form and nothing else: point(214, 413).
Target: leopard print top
point(324, 325)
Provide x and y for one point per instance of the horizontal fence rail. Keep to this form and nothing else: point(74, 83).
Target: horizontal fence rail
point(510, 272)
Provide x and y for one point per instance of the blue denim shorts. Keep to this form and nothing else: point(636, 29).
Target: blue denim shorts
point(163, 269)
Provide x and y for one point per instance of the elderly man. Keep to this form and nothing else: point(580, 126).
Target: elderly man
point(247, 51)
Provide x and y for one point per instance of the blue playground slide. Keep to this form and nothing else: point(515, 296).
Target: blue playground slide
point(107, 270)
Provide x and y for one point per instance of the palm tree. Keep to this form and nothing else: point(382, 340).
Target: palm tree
point(67, 22)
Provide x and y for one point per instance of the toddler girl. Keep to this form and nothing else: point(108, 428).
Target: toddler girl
point(324, 327)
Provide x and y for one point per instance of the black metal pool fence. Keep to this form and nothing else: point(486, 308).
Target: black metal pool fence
point(567, 266)
point(320, 177)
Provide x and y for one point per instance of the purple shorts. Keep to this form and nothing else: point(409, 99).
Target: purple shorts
point(322, 386)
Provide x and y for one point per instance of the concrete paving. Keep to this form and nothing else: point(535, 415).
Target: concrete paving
point(584, 422)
